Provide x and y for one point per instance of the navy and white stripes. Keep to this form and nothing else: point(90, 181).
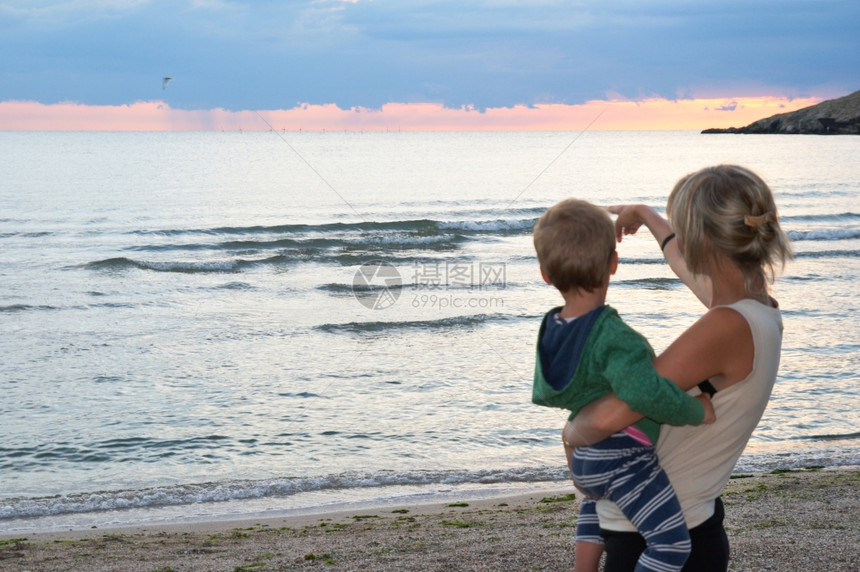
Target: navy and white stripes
point(623, 471)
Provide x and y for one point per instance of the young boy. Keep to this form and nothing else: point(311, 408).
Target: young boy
point(584, 352)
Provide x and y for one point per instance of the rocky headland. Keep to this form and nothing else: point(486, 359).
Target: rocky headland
point(839, 116)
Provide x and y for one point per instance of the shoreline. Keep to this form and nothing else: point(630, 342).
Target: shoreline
point(803, 519)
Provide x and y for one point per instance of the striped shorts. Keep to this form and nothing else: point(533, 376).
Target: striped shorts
point(624, 471)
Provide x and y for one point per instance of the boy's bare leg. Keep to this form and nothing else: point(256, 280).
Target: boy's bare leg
point(586, 556)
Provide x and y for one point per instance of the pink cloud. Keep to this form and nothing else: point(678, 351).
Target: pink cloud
point(614, 114)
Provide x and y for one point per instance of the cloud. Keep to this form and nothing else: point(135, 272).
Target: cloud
point(67, 11)
point(617, 114)
point(728, 106)
point(268, 54)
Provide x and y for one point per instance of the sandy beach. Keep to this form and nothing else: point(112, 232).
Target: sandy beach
point(785, 520)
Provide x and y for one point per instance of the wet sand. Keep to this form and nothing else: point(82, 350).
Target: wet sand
point(794, 520)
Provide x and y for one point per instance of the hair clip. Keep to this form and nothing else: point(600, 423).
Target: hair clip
point(759, 220)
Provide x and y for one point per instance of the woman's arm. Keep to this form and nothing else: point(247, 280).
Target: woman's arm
point(719, 337)
point(718, 346)
point(597, 421)
point(632, 217)
point(699, 284)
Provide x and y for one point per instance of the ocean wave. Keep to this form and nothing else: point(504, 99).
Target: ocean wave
point(419, 289)
point(820, 456)
point(337, 289)
point(23, 458)
point(824, 235)
point(224, 266)
point(323, 249)
point(445, 323)
point(234, 286)
point(479, 210)
point(329, 234)
point(39, 234)
point(346, 256)
point(637, 261)
point(345, 244)
point(223, 491)
point(836, 437)
point(839, 217)
point(393, 243)
point(650, 283)
point(283, 487)
point(424, 225)
point(308, 243)
point(349, 289)
point(828, 254)
point(498, 226)
point(24, 308)
point(30, 308)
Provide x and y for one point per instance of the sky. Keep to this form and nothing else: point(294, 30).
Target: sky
point(420, 64)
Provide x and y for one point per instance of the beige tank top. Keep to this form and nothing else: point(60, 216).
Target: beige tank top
point(699, 460)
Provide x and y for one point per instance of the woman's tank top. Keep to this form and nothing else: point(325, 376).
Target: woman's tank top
point(699, 460)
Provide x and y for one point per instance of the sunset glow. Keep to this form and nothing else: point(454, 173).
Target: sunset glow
point(611, 115)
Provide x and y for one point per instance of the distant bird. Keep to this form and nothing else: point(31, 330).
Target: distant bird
point(165, 82)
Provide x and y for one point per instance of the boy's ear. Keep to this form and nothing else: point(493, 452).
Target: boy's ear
point(613, 263)
point(545, 277)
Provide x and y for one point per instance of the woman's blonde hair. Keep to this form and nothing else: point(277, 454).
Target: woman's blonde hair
point(574, 241)
point(730, 210)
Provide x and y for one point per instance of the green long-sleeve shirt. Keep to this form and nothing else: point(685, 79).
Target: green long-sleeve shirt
point(613, 358)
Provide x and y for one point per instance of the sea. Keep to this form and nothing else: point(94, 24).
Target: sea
point(224, 325)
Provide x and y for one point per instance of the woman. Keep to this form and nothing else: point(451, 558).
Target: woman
point(726, 245)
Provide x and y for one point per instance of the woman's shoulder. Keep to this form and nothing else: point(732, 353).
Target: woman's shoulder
point(740, 317)
point(748, 312)
point(742, 331)
point(724, 319)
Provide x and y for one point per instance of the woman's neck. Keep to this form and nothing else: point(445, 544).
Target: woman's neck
point(728, 285)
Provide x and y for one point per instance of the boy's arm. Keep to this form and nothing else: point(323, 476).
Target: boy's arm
point(661, 400)
point(626, 361)
point(606, 416)
point(609, 414)
point(632, 217)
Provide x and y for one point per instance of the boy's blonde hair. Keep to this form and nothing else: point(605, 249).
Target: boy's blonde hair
point(731, 210)
point(575, 241)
